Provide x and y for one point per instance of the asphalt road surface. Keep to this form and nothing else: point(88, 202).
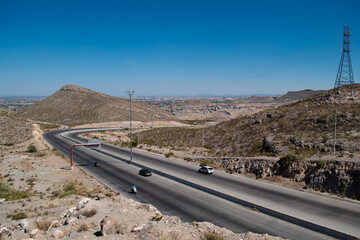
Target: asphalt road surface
point(234, 202)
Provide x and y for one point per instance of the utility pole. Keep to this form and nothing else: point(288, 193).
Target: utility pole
point(69, 123)
point(345, 74)
point(335, 118)
point(130, 93)
point(203, 133)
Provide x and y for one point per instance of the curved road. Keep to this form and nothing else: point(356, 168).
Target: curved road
point(226, 200)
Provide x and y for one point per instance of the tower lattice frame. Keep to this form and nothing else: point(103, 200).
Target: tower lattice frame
point(345, 74)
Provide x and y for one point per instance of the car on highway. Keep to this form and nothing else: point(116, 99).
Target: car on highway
point(145, 172)
point(206, 169)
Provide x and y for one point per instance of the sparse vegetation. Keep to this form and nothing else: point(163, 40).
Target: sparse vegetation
point(287, 160)
point(205, 162)
point(321, 164)
point(57, 153)
point(43, 224)
point(169, 154)
point(84, 227)
point(10, 194)
point(212, 236)
point(18, 216)
point(31, 149)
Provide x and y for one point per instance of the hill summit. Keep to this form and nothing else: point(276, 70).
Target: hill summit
point(77, 105)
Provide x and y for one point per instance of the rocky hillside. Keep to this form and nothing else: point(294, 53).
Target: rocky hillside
point(297, 95)
point(331, 176)
point(83, 106)
point(305, 127)
point(13, 129)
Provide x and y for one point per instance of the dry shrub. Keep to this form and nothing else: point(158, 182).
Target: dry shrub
point(43, 224)
point(84, 228)
point(212, 236)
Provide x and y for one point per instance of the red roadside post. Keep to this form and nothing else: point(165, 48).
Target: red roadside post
point(79, 145)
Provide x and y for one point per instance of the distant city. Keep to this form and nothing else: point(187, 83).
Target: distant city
point(17, 103)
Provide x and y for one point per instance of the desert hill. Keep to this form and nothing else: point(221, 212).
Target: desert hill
point(305, 127)
point(14, 129)
point(81, 106)
point(297, 95)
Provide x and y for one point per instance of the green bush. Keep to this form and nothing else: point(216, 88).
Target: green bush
point(205, 162)
point(321, 164)
point(287, 160)
point(169, 154)
point(18, 216)
point(31, 149)
point(134, 143)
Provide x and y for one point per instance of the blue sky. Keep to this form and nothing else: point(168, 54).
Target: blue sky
point(176, 47)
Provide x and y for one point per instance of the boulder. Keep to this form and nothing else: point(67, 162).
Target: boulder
point(82, 203)
point(35, 233)
point(108, 226)
point(89, 210)
point(70, 221)
point(57, 234)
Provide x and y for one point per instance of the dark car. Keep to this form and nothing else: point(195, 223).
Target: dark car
point(145, 172)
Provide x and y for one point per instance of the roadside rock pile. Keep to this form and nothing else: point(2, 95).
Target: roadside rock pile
point(118, 218)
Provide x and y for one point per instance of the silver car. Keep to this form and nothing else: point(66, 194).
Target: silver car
point(206, 169)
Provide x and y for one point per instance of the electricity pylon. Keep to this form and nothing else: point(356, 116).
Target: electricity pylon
point(345, 74)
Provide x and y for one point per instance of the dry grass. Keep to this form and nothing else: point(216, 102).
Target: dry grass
point(84, 227)
point(212, 236)
point(43, 224)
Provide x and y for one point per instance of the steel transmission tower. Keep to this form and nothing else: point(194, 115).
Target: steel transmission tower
point(345, 74)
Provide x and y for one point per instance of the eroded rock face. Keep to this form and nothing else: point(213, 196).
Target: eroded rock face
point(334, 177)
point(108, 226)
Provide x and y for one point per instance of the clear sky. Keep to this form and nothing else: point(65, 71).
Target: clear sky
point(174, 47)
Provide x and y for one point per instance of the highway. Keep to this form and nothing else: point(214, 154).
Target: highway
point(238, 203)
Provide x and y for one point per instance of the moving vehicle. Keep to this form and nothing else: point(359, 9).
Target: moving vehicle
point(206, 169)
point(133, 189)
point(145, 172)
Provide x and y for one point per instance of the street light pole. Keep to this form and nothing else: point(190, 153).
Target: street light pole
point(130, 93)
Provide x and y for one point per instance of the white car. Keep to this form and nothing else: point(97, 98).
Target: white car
point(206, 169)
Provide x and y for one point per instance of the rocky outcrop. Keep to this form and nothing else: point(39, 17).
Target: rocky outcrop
point(331, 176)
